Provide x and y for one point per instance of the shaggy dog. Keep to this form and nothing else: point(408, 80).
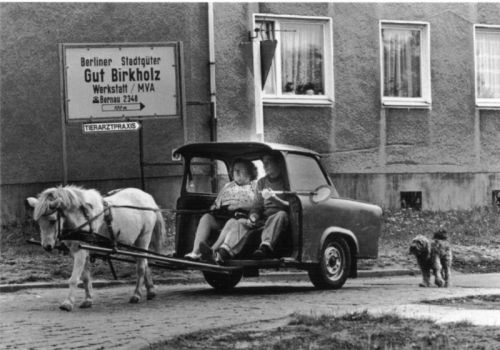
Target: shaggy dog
point(433, 257)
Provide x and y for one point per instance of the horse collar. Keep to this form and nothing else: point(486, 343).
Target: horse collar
point(108, 217)
point(87, 217)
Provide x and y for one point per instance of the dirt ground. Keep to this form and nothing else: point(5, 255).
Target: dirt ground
point(474, 234)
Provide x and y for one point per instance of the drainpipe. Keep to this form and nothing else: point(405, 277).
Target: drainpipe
point(258, 104)
point(211, 60)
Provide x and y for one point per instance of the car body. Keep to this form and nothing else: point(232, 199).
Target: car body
point(326, 236)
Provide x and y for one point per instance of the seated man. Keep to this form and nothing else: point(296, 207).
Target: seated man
point(271, 211)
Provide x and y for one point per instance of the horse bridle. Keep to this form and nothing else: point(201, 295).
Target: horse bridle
point(58, 220)
point(61, 233)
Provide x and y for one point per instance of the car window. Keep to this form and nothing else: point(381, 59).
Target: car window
point(304, 173)
point(206, 176)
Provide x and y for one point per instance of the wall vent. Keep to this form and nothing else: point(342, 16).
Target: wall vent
point(495, 198)
point(411, 200)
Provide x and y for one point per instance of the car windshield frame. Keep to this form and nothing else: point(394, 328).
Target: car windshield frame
point(319, 165)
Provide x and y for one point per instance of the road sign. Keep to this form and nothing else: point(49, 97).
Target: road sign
point(109, 81)
point(110, 127)
point(123, 107)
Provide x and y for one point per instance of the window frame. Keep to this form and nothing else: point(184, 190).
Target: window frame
point(483, 103)
point(328, 67)
point(425, 101)
point(222, 172)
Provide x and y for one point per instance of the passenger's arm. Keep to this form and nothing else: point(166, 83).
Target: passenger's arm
point(218, 201)
point(257, 206)
point(277, 199)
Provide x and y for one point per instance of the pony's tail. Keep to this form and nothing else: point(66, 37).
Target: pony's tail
point(159, 233)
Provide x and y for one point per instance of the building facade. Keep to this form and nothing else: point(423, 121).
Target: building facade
point(401, 99)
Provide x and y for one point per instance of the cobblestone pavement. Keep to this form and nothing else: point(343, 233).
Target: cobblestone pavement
point(31, 319)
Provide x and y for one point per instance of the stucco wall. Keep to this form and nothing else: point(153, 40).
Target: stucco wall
point(368, 148)
point(30, 103)
point(440, 191)
point(234, 71)
point(357, 136)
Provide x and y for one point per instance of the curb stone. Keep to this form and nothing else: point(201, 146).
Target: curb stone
point(283, 276)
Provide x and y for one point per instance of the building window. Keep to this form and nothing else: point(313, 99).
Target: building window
point(487, 45)
point(411, 200)
point(405, 61)
point(302, 68)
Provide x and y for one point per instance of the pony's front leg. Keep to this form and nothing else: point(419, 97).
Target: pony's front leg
point(79, 259)
point(87, 284)
point(141, 272)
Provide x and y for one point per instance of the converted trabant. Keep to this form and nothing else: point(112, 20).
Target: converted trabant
point(326, 236)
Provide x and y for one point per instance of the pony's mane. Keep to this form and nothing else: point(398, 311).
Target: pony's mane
point(70, 196)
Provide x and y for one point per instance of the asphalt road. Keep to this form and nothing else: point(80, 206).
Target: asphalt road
point(31, 319)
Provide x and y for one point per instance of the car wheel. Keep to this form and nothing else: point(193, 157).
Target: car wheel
point(222, 281)
point(334, 265)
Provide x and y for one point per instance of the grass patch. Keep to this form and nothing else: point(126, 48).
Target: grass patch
point(359, 330)
point(485, 302)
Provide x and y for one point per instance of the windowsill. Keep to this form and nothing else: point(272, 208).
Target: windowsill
point(493, 106)
point(407, 104)
point(298, 101)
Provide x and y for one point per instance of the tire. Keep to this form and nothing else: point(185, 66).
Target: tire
point(222, 281)
point(334, 265)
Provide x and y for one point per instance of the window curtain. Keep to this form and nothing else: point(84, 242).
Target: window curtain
point(267, 33)
point(488, 64)
point(401, 63)
point(301, 58)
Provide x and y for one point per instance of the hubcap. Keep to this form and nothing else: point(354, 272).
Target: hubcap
point(333, 261)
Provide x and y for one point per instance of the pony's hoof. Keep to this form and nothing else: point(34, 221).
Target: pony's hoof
point(66, 306)
point(86, 304)
point(439, 283)
point(151, 295)
point(423, 285)
point(134, 300)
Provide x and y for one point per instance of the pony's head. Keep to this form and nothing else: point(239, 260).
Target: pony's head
point(60, 208)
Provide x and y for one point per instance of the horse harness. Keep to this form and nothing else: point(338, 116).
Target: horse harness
point(91, 236)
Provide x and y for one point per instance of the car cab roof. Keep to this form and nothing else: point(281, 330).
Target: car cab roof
point(237, 149)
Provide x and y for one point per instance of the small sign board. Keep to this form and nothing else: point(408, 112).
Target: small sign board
point(108, 81)
point(110, 127)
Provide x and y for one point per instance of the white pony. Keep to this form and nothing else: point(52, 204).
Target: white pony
point(136, 221)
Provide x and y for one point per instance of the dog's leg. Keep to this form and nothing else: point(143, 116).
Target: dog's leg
point(426, 277)
point(446, 272)
point(438, 271)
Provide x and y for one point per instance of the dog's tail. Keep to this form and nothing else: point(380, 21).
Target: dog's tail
point(441, 235)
